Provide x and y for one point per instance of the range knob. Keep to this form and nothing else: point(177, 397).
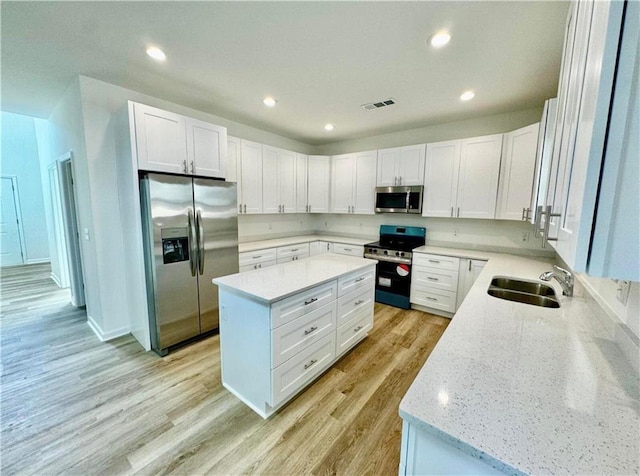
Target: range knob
point(402, 254)
point(397, 253)
point(386, 252)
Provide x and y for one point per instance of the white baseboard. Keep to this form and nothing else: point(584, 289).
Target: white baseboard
point(55, 279)
point(106, 336)
point(38, 261)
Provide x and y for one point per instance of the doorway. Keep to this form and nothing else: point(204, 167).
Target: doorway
point(11, 236)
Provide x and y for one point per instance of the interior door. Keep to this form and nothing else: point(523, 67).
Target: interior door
point(217, 232)
point(10, 246)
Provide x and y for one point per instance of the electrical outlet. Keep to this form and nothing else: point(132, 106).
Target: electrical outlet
point(622, 293)
point(524, 237)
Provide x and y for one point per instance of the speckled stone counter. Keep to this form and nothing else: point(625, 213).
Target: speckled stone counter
point(293, 240)
point(280, 281)
point(529, 389)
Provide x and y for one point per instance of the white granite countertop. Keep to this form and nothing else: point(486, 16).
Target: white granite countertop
point(293, 240)
point(529, 389)
point(280, 281)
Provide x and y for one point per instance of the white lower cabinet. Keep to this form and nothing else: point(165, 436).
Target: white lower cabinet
point(292, 253)
point(269, 352)
point(468, 273)
point(320, 248)
point(251, 260)
point(346, 249)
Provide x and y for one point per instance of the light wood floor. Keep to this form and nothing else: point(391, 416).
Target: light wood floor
point(73, 405)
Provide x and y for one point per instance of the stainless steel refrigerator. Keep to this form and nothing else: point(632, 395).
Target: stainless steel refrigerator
point(190, 230)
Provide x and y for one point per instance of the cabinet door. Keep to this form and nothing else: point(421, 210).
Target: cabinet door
point(516, 173)
point(543, 160)
point(233, 166)
point(410, 165)
point(387, 175)
point(342, 176)
point(287, 181)
point(318, 185)
point(441, 179)
point(301, 183)
point(365, 183)
point(161, 140)
point(251, 176)
point(270, 193)
point(478, 176)
point(206, 148)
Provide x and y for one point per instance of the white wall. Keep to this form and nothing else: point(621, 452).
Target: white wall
point(20, 159)
point(478, 126)
point(265, 227)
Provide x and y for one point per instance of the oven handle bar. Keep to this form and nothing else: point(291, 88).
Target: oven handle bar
point(388, 259)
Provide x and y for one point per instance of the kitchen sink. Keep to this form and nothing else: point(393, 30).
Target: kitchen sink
point(527, 292)
point(530, 287)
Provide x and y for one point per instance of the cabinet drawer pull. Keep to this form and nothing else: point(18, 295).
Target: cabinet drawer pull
point(357, 303)
point(361, 278)
point(347, 249)
point(313, 361)
point(431, 299)
point(310, 301)
point(256, 257)
point(432, 279)
point(184, 166)
point(357, 328)
point(245, 208)
point(310, 330)
point(260, 265)
point(433, 261)
point(294, 250)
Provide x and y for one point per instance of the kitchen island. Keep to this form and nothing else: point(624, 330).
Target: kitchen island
point(282, 326)
point(520, 389)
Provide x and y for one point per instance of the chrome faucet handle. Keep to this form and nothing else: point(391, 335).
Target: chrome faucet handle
point(568, 274)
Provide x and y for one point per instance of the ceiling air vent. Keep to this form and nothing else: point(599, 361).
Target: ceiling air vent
point(378, 104)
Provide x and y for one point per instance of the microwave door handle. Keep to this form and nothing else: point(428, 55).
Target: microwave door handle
point(192, 238)
point(200, 242)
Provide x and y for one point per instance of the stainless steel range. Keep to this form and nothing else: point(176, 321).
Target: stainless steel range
point(394, 253)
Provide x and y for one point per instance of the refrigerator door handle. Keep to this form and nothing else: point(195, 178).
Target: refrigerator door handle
point(200, 235)
point(192, 237)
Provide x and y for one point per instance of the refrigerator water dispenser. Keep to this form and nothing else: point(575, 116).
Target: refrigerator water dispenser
point(175, 245)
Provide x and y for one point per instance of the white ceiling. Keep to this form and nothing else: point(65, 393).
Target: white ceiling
point(321, 60)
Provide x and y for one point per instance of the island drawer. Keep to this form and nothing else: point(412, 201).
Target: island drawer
point(436, 261)
point(351, 332)
point(351, 304)
point(357, 280)
point(294, 336)
point(258, 256)
point(302, 303)
point(435, 298)
point(299, 370)
point(438, 278)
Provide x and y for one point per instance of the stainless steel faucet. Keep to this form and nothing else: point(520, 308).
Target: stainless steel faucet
point(564, 277)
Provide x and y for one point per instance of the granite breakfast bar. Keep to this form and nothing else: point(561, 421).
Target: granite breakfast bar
point(282, 326)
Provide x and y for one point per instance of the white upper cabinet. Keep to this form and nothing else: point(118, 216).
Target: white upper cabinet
point(353, 183)
point(233, 159)
point(278, 180)
point(206, 148)
point(250, 177)
point(584, 101)
point(461, 178)
point(319, 173)
point(401, 166)
point(543, 160)
point(517, 173)
point(169, 142)
point(302, 200)
point(161, 140)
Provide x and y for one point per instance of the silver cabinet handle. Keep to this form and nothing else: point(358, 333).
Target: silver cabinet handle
point(433, 261)
point(310, 330)
point(309, 210)
point(311, 362)
point(431, 299)
point(538, 219)
point(357, 303)
point(469, 265)
point(458, 216)
point(245, 208)
point(432, 279)
point(193, 169)
point(395, 180)
point(310, 301)
point(358, 328)
point(282, 208)
point(184, 166)
point(200, 236)
point(256, 257)
point(255, 266)
point(192, 241)
point(399, 180)
point(451, 212)
point(361, 278)
point(347, 249)
point(295, 249)
point(547, 223)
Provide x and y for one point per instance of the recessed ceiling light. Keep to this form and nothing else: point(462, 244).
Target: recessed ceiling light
point(328, 127)
point(467, 96)
point(156, 53)
point(269, 101)
point(439, 39)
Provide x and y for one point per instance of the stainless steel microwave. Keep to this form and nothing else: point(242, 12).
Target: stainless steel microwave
point(399, 199)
